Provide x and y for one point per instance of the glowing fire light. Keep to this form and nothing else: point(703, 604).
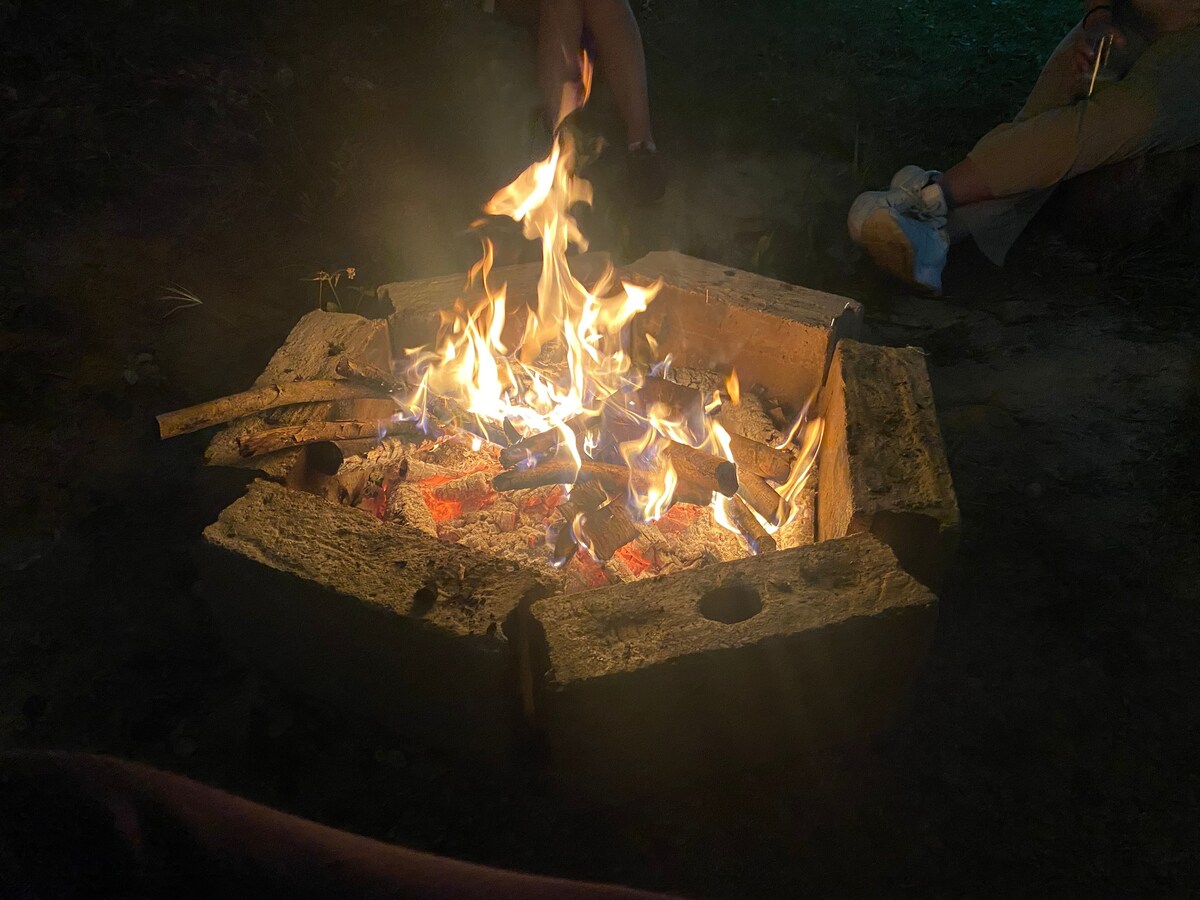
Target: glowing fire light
point(572, 354)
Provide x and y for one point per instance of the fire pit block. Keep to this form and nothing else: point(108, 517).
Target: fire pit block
point(373, 617)
point(882, 465)
point(729, 665)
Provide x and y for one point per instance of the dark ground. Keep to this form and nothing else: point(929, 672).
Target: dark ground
point(235, 152)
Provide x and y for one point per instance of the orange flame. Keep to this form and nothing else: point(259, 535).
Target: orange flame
point(572, 356)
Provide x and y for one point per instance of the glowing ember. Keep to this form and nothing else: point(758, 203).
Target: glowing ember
point(560, 377)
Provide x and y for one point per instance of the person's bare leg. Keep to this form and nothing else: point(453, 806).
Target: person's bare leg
point(560, 29)
point(963, 185)
point(622, 62)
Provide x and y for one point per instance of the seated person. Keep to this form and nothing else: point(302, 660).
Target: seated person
point(1146, 101)
point(608, 26)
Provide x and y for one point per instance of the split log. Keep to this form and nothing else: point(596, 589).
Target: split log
point(698, 469)
point(562, 470)
point(607, 529)
point(749, 526)
point(544, 444)
point(761, 459)
point(235, 406)
point(271, 439)
point(584, 499)
point(761, 497)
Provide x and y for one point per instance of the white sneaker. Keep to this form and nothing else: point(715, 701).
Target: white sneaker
point(909, 193)
point(911, 249)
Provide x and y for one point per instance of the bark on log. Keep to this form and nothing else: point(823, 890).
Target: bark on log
point(562, 470)
point(544, 444)
point(288, 393)
point(749, 526)
point(759, 458)
point(584, 498)
point(608, 529)
point(696, 468)
point(271, 439)
point(763, 498)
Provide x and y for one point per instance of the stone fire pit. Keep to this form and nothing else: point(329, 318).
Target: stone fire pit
point(630, 685)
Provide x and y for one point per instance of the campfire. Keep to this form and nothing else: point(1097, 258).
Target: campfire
point(670, 516)
point(552, 434)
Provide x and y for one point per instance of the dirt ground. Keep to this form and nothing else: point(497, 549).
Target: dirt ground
point(230, 153)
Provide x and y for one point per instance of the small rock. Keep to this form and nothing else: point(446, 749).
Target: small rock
point(285, 77)
point(1034, 490)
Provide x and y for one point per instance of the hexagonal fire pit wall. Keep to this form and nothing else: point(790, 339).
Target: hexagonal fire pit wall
point(636, 684)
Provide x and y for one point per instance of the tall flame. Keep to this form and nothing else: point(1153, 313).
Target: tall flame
point(572, 354)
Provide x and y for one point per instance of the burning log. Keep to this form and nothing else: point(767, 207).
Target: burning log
point(607, 529)
point(680, 399)
point(761, 497)
point(759, 458)
point(699, 470)
point(749, 526)
point(543, 444)
point(584, 499)
point(271, 439)
point(562, 470)
point(445, 411)
point(467, 489)
point(235, 406)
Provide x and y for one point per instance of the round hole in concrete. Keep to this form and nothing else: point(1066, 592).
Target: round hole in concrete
point(729, 603)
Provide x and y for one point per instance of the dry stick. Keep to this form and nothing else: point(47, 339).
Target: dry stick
point(759, 458)
point(752, 530)
point(271, 439)
point(699, 469)
point(287, 393)
point(760, 496)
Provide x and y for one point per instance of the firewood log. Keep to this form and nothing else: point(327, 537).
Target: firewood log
point(269, 440)
point(749, 526)
point(607, 529)
point(759, 458)
point(698, 469)
point(761, 497)
point(544, 444)
point(235, 406)
point(563, 470)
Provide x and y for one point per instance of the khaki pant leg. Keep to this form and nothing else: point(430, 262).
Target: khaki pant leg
point(1154, 108)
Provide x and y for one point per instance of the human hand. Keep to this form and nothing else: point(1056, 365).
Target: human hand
point(1099, 28)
